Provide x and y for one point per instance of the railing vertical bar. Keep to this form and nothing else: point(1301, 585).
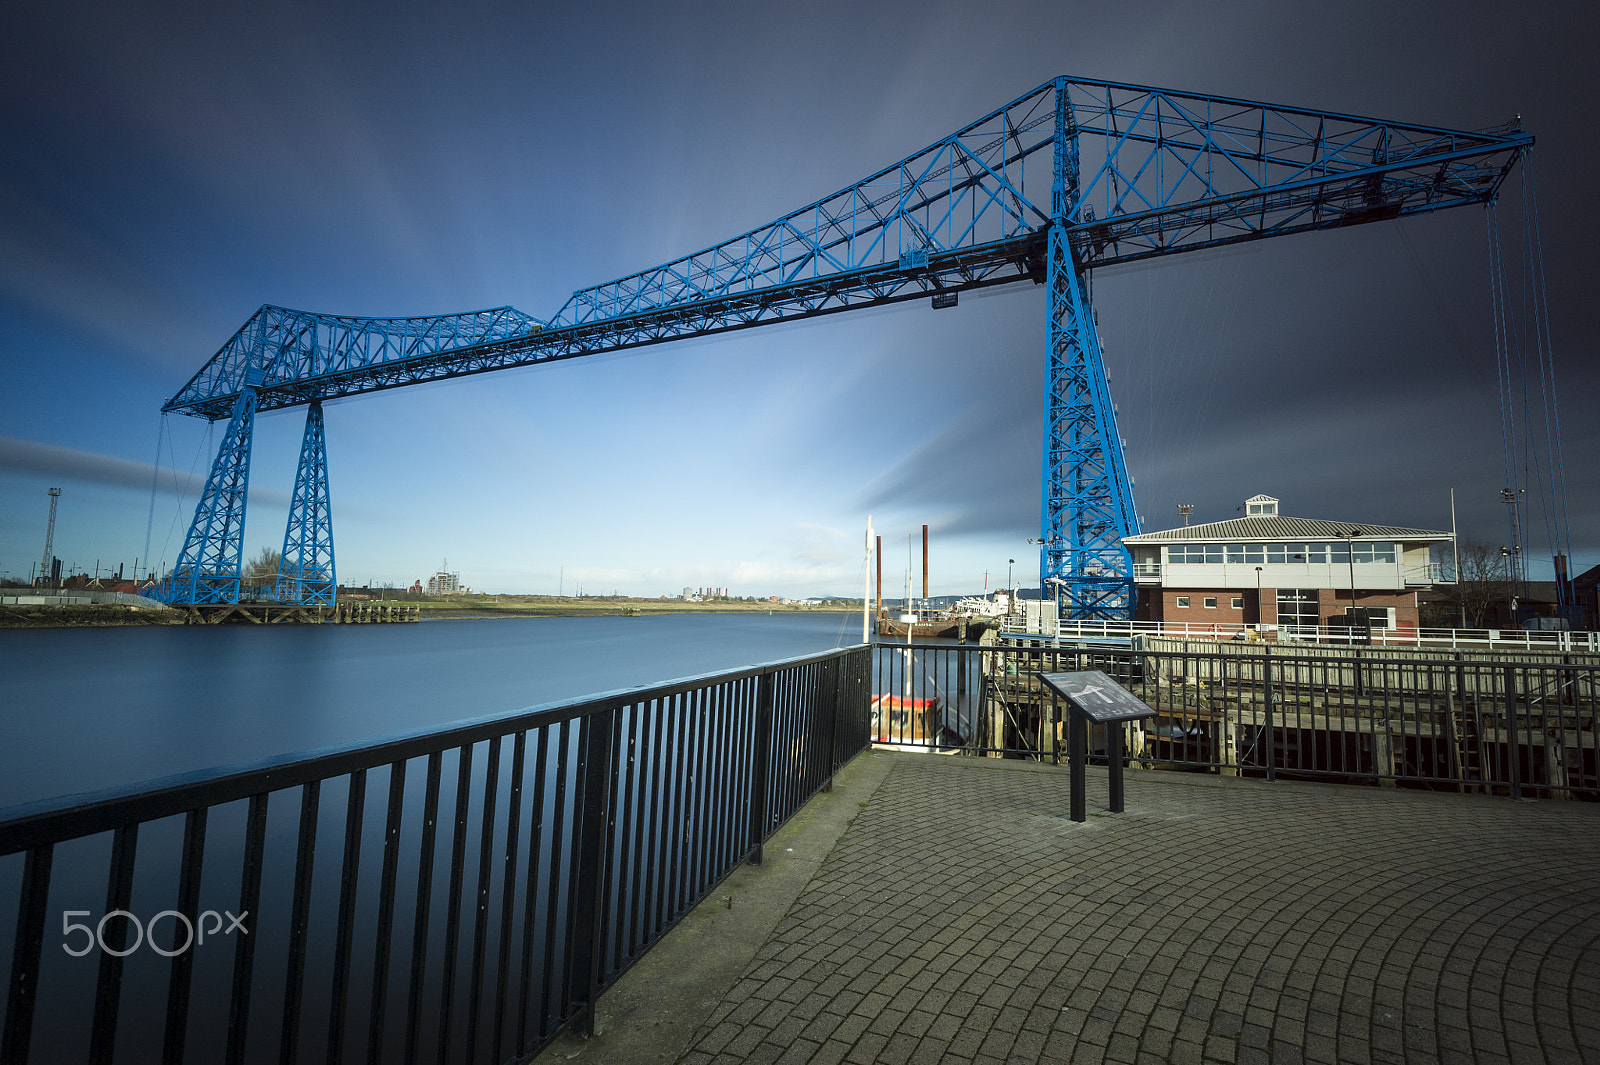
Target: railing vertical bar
point(508, 892)
point(591, 823)
point(485, 886)
point(694, 753)
point(672, 846)
point(719, 785)
point(715, 790)
point(619, 899)
point(299, 918)
point(531, 896)
point(555, 901)
point(340, 992)
point(732, 790)
point(452, 912)
point(419, 932)
point(385, 930)
point(182, 970)
point(108, 986)
point(760, 766)
point(28, 945)
point(694, 851)
point(1514, 738)
point(777, 764)
point(244, 947)
point(641, 741)
point(660, 730)
point(614, 852)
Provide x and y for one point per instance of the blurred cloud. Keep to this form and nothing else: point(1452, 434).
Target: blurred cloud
point(29, 457)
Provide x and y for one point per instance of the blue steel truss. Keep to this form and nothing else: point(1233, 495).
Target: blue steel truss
point(1129, 173)
point(208, 567)
point(306, 573)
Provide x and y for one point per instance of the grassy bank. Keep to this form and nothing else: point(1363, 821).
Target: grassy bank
point(91, 614)
point(552, 606)
point(466, 606)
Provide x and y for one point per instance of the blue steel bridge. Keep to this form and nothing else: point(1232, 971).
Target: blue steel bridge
point(1072, 176)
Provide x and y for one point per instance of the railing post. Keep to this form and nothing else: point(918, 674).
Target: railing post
point(32, 911)
point(830, 677)
point(1513, 743)
point(588, 927)
point(1266, 698)
point(760, 767)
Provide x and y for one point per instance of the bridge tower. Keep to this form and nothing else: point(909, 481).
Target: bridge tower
point(1087, 505)
point(306, 573)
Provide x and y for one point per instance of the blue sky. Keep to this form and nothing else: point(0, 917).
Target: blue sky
point(169, 168)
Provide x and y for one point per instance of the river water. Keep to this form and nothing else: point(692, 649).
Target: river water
point(83, 709)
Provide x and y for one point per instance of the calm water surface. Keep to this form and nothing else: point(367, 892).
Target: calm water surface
point(82, 709)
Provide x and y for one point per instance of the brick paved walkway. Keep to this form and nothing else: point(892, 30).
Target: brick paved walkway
point(963, 918)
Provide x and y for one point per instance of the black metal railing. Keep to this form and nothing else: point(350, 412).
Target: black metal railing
point(1525, 727)
point(271, 911)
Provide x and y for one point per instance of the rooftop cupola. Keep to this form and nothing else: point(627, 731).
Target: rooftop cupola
point(1260, 506)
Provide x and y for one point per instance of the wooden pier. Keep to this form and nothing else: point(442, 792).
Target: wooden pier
point(346, 613)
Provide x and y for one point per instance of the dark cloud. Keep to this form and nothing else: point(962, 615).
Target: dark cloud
point(28, 457)
point(170, 168)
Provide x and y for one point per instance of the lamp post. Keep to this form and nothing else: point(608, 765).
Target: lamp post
point(1349, 536)
point(1259, 615)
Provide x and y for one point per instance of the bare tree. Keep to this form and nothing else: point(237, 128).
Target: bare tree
point(263, 569)
point(1483, 583)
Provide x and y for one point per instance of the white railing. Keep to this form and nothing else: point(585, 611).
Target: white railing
point(1401, 636)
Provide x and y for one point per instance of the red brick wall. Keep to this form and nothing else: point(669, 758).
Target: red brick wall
point(1160, 604)
point(1335, 603)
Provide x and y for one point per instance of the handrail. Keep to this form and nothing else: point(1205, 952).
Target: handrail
point(596, 828)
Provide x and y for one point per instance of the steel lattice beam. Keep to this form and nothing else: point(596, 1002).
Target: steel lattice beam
point(1163, 172)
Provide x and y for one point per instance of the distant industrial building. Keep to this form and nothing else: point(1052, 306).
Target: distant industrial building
point(1292, 574)
point(444, 582)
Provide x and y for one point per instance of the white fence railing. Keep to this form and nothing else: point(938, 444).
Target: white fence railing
point(1402, 636)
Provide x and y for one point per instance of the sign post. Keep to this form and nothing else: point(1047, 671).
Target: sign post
point(1095, 699)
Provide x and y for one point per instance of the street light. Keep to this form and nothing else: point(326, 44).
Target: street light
point(1260, 615)
point(1349, 536)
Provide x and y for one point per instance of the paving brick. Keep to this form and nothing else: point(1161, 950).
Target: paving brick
point(1223, 920)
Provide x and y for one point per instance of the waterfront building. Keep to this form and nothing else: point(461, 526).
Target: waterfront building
point(1274, 571)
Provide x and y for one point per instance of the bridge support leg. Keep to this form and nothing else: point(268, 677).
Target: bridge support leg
point(1088, 498)
point(209, 566)
point(306, 575)
point(1087, 505)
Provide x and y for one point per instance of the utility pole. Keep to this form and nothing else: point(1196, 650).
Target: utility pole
point(866, 587)
point(49, 535)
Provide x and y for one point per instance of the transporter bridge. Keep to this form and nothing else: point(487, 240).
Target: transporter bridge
point(1074, 175)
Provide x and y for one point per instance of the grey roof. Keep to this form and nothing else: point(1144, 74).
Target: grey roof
point(1281, 527)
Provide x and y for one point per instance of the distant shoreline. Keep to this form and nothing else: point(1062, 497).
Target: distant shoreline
point(108, 615)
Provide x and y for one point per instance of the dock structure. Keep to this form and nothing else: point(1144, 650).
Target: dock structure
point(343, 613)
point(1459, 722)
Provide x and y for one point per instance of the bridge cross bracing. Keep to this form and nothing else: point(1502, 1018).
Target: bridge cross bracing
point(1072, 176)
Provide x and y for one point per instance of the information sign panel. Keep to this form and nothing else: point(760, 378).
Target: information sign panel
point(1096, 696)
